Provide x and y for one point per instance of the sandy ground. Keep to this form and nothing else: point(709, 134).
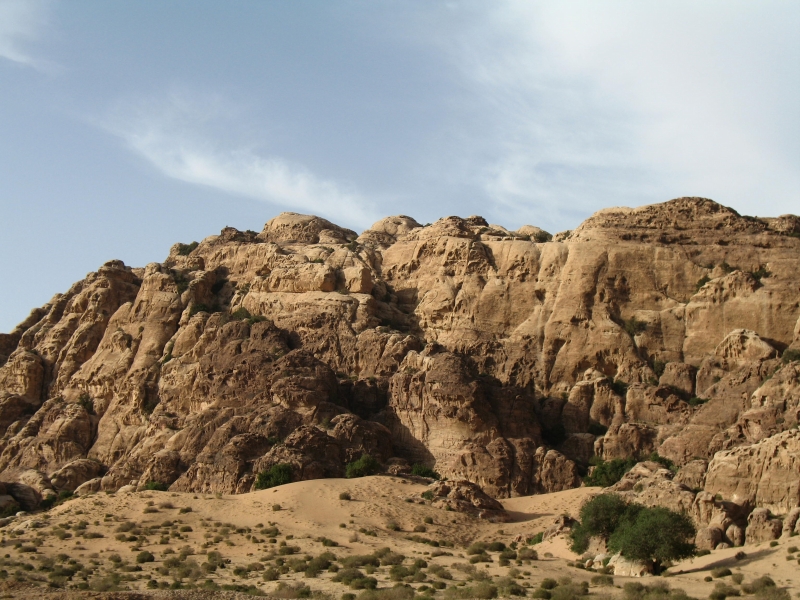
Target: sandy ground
point(310, 511)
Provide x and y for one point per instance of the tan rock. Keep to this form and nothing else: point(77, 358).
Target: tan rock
point(467, 497)
point(765, 474)
point(761, 527)
point(476, 348)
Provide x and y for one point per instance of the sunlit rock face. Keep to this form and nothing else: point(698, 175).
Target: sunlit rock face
point(505, 358)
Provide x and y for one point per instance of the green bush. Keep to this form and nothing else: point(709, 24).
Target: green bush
point(366, 465)
point(790, 355)
point(619, 387)
point(758, 585)
point(186, 249)
point(634, 326)
point(198, 308)
point(695, 401)
point(423, 471)
point(279, 474)
point(701, 282)
point(548, 584)
point(599, 517)
point(87, 403)
point(663, 461)
point(570, 591)
point(156, 486)
point(240, 314)
point(145, 557)
point(760, 274)
point(607, 473)
point(658, 367)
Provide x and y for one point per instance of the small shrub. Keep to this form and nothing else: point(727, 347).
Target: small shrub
point(423, 471)
point(527, 554)
point(276, 507)
point(760, 273)
point(145, 557)
point(720, 572)
point(701, 282)
point(155, 486)
point(634, 327)
point(548, 584)
point(345, 496)
point(658, 367)
point(604, 580)
point(87, 403)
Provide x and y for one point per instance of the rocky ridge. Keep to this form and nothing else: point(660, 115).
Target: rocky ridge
point(500, 357)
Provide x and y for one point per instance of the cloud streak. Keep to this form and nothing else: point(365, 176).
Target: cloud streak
point(622, 103)
point(21, 22)
point(175, 137)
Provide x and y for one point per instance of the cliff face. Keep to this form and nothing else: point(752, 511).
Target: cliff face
point(483, 352)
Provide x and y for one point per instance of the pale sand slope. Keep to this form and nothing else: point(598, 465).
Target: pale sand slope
point(312, 510)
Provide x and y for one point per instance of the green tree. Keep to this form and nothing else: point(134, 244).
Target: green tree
point(600, 517)
point(653, 535)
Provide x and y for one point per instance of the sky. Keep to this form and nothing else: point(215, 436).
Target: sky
point(128, 126)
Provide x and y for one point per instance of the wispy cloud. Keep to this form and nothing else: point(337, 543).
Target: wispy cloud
point(175, 136)
point(623, 103)
point(21, 23)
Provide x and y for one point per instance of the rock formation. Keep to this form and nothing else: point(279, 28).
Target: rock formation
point(505, 358)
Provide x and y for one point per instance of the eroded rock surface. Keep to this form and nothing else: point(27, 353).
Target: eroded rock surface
point(506, 358)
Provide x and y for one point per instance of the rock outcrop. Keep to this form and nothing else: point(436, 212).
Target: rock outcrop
point(506, 358)
point(466, 497)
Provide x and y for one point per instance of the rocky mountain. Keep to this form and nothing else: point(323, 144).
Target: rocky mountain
point(506, 358)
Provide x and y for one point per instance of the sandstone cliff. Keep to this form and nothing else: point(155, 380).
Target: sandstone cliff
point(501, 357)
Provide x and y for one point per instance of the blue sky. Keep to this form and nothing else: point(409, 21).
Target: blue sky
point(128, 126)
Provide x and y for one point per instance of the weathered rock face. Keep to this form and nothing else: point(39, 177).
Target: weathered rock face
point(765, 474)
point(494, 356)
point(466, 497)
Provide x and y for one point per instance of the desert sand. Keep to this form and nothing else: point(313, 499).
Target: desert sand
point(310, 516)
